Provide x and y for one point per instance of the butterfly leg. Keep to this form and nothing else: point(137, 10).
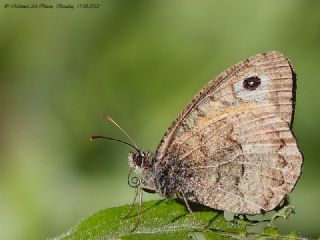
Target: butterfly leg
point(192, 213)
point(132, 204)
point(139, 211)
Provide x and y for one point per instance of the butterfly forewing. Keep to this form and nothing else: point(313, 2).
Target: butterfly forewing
point(235, 138)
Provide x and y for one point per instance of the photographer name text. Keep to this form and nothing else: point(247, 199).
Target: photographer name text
point(51, 6)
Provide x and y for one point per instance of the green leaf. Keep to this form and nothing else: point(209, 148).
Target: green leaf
point(165, 219)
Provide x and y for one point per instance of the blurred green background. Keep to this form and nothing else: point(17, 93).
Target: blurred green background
point(140, 62)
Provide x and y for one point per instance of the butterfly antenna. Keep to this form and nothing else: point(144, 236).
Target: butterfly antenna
point(113, 139)
point(122, 130)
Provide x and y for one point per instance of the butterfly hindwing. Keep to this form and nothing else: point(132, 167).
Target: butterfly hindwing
point(251, 167)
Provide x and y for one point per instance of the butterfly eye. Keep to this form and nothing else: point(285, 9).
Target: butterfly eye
point(251, 83)
point(137, 159)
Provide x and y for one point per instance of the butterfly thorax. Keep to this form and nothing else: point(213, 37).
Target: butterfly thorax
point(169, 175)
point(162, 175)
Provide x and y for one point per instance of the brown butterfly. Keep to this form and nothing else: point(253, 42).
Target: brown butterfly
point(232, 147)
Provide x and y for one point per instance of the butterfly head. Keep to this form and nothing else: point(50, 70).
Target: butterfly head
point(140, 160)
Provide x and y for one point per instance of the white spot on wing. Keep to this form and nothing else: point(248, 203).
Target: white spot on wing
point(258, 95)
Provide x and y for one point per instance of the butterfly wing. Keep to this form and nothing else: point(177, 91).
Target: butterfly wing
point(234, 139)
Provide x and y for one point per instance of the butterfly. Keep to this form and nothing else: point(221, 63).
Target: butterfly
point(232, 147)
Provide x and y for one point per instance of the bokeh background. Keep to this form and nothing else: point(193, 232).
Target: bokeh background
point(140, 62)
